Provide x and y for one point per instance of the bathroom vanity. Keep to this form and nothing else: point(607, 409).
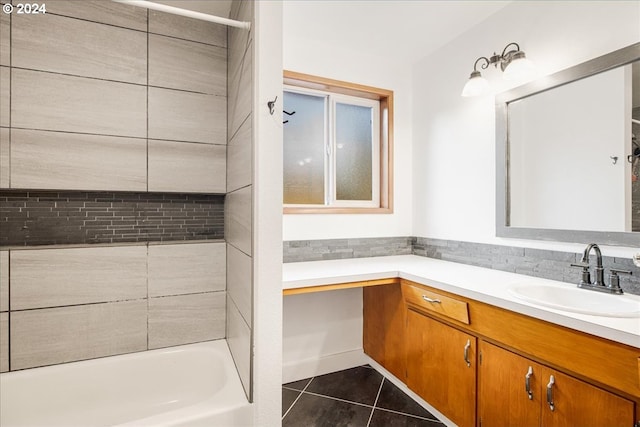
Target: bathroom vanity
point(458, 337)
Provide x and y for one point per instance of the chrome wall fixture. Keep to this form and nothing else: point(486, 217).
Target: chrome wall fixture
point(513, 63)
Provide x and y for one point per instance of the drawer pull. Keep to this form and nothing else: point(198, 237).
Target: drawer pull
point(527, 383)
point(427, 299)
point(466, 353)
point(552, 381)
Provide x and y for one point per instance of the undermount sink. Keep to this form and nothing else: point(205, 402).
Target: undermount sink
point(577, 300)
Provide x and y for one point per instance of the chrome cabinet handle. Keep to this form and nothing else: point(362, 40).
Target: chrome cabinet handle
point(527, 383)
point(427, 299)
point(466, 353)
point(552, 381)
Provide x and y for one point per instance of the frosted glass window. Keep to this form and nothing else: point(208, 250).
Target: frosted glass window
point(353, 152)
point(304, 149)
point(336, 159)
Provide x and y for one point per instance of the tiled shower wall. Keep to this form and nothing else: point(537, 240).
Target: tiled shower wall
point(239, 199)
point(61, 304)
point(113, 128)
point(532, 262)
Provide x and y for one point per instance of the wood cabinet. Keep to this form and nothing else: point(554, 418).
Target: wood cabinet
point(441, 367)
point(514, 390)
point(425, 330)
point(383, 327)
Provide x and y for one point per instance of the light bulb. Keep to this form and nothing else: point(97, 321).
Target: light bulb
point(476, 85)
point(519, 69)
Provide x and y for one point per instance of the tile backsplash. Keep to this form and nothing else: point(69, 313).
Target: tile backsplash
point(531, 262)
point(76, 217)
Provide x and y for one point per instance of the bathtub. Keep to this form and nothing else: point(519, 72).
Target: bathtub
point(191, 385)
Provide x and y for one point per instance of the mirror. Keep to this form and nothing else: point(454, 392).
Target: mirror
point(568, 156)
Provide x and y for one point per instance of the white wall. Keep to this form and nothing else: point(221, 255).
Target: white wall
point(341, 63)
point(323, 332)
point(454, 137)
point(267, 216)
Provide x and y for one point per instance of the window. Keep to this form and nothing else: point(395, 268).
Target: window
point(337, 146)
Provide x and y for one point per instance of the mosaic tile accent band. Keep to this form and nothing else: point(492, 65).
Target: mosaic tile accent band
point(546, 264)
point(317, 250)
point(29, 218)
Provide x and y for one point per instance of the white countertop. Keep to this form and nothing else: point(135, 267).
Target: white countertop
point(481, 284)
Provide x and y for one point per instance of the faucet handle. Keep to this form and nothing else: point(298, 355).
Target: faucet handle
point(614, 279)
point(586, 277)
point(615, 271)
point(580, 264)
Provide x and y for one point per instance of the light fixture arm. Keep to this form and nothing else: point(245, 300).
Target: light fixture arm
point(511, 52)
point(483, 66)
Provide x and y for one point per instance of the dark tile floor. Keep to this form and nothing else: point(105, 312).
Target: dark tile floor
point(356, 397)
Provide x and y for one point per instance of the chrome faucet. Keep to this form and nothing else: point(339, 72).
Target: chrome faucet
point(598, 285)
point(599, 270)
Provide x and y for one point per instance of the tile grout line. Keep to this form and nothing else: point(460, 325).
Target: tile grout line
point(373, 407)
point(297, 398)
point(376, 401)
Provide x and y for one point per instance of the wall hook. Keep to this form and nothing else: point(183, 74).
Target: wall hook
point(614, 158)
point(288, 113)
point(272, 105)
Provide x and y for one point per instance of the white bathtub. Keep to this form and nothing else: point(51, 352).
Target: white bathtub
point(191, 385)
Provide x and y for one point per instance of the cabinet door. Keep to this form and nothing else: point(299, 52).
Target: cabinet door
point(576, 403)
point(509, 390)
point(384, 322)
point(437, 367)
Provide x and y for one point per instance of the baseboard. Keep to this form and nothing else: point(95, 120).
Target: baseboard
point(301, 369)
point(402, 386)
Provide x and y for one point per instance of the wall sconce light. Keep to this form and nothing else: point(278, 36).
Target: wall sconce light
point(513, 64)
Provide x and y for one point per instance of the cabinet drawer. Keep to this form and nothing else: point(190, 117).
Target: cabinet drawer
point(430, 301)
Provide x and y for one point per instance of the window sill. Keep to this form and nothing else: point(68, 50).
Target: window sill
point(331, 210)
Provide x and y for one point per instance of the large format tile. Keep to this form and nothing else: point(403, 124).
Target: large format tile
point(359, 385)
point(319, 411)
point(239, 340)
point(72, 46)
point(57, 102)
point(186, 116)
point(5, 99)
point(5, 165)
point(187, 28)
point(240, 93)
point(240, 158)
point(239, 39)
point(4, 342)
point(288, 397)
point(298, 385)
point(186, 268)
point(4, 280)
point(187, 167)
point(185, 65)
point(106, 12)
point(186, 319)
point(239, 281)
point(5, 39)
point(57, 335)
point(383, 418)
point(58, 160)
point(237, 219)
point(392, 398)
point(59, 277)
